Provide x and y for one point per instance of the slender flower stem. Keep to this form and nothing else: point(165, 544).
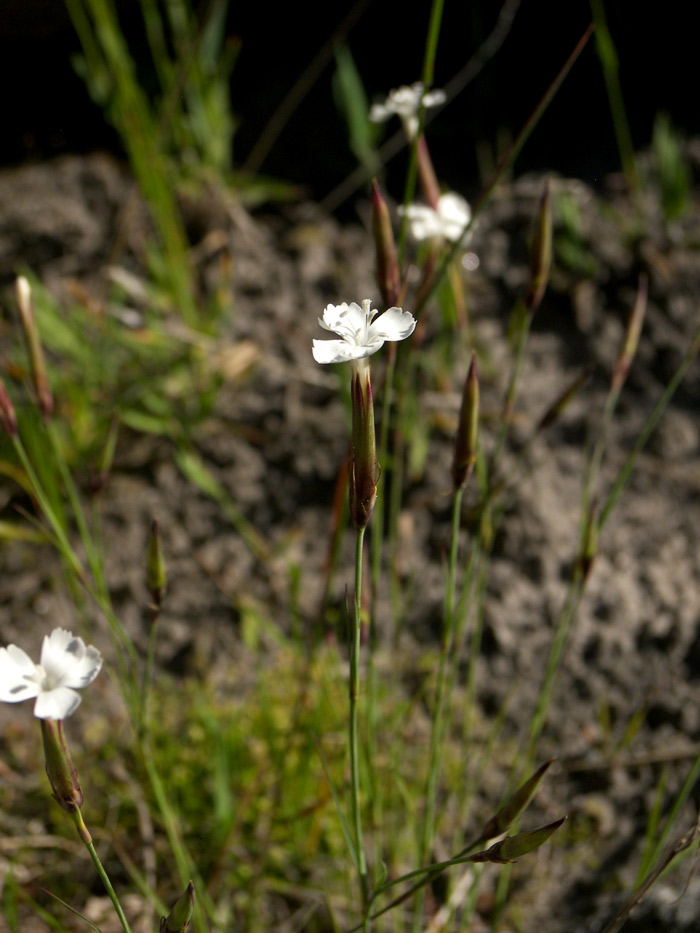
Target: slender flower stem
point(441, 704)
point(148, 672)
point(353, 733)
point(86, 838)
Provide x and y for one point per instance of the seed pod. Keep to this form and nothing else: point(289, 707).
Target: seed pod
point(60, 770)
point(156, 577)
point(364, 471)
point(36, 355)
point(178, 920)
point(468, 430)
point(387, 263)
point(634, 329)
point(541, 254)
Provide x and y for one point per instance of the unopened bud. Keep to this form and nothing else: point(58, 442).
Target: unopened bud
point(541, 254)
point(426, 172)
point(468, 429)
point(364, 471)
point(387, 263)
point(8, 418)
point(632, 334)
point(589, 543)
point(178, 920)
point(60, 770)
point(36, 355)
point(155, 567)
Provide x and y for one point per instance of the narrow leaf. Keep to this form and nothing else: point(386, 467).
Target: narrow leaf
point(514, 805)
point(336, 801)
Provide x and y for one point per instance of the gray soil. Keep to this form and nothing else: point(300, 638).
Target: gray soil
point(278, 437)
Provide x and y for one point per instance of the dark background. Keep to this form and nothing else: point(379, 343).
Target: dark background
point(47, 110)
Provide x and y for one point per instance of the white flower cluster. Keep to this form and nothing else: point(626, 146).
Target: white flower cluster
point(448, 221)
point(405, 102)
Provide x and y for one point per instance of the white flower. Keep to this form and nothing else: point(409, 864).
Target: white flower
point(448, 221)
point(405, 102)
point(363, 332)
point(66, 663)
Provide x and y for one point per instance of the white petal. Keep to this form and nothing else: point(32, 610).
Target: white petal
point(56, 704)
point(339, 351)
point(378, 113)
point(60, 651)
point(394, 324)
point(423, 220)
point(67, 661)
point(16, 668)
point(433, 98)
point(86, 669)
point(341, 318)
point(454, 213)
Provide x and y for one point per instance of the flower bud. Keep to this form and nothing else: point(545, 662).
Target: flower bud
point(468, 430)
point(178, 920)
point(155, 567)
point(60, 770)
point(387, 263)
point(36, 355)
point(541, 254)
point(589, 543)
point(364, 471)
point(8, 418)
point(426, 173)
point(634, 329)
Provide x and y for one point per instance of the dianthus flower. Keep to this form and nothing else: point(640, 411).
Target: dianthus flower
point(66, 664)
point(405, 102)
point(448, 221)
point(363, 331)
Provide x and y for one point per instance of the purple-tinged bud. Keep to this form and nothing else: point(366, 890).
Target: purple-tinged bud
point(156, 577)
point(426, 173)
point(387, 263)
point(36, 355)
point(8, 418)
point(178, 920)
point(60, 770)
point(632, 334)
point(589, 543)
point(541, 254)
point(468, 430)
point(364, 470)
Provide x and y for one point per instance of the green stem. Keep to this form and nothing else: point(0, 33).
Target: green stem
point(148, 672)
point(511, 391)
point(353, 731)
point(441, 706)
point(86, 838)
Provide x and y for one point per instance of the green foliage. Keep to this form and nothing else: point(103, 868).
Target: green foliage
point(570, 247)
point(106, 373)
point(672, 169)
point(351, 100)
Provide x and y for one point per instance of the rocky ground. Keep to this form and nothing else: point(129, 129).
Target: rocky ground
point(278, 436)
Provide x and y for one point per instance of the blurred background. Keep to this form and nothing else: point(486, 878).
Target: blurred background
point(47, 109)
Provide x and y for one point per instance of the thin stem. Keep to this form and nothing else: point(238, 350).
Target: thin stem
point(511, 391)
point(441, 706)
point(86, 838)
point(148, 671)
point(353, 732)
